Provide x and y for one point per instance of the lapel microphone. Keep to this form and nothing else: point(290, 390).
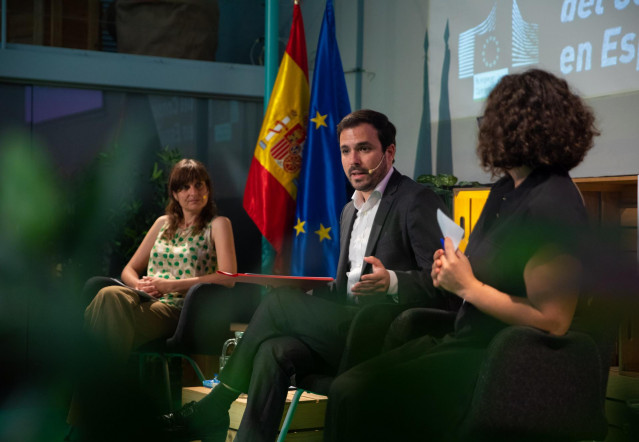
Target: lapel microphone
point(370, 171)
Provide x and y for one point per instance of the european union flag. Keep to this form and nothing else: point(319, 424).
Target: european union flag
point(321, 192)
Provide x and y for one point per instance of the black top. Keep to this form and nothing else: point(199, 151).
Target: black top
point(515, 223)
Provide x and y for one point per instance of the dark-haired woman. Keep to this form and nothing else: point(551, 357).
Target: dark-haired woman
point(520, 268)
point(184, 247)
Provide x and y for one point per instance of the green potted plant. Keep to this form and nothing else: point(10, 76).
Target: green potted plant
point(443, 184)
point(139, 208)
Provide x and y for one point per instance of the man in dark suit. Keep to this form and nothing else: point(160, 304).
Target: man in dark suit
point(389, 234)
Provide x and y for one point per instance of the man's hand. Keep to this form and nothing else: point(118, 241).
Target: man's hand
point(375, 283)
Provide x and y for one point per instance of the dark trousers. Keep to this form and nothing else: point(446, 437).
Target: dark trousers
point(291, 334)
point(419, 391)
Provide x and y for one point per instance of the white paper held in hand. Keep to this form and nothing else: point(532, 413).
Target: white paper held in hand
point(449, 228)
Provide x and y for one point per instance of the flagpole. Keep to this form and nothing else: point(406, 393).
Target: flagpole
point(271, 65)
point(359, 54)
point(271, 53)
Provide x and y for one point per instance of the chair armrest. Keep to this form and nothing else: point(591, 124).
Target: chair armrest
point(415, 322)
point(366, 333)
point(538, 384)
point(204, 321)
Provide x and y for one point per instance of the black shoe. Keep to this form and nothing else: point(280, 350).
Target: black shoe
point(186, 424)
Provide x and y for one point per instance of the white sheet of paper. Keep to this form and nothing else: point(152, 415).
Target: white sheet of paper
point(449, 228)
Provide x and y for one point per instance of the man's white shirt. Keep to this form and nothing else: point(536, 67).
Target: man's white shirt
point(366, 211)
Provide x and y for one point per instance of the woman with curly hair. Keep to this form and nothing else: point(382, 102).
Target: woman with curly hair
point(520, 268)
point(184, 247)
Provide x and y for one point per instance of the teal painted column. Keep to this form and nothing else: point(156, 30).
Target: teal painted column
point(3, 25)
point(271, 58)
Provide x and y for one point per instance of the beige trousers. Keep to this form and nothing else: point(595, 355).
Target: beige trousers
point(117, 319)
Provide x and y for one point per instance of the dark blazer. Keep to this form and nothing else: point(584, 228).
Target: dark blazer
point(404, 237)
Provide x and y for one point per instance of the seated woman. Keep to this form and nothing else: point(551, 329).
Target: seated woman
point(519, 268)
point(184, 247)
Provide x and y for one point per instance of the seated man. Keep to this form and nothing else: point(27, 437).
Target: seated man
point(390, 222)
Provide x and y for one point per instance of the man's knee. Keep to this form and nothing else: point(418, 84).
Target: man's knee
point(283, 294)
point(286, 353)
point(279, 300)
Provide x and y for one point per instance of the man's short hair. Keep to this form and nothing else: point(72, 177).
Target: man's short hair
point(385, 129)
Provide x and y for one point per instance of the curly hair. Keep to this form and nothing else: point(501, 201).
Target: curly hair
point(185, 172)
point(533, 119)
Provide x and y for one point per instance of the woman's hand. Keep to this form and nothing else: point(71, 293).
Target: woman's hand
point(552, 283)
point(140, 260)
point(150, 285)
point(452, 271)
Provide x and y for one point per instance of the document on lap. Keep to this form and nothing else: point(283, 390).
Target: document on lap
point(144, 296)
point(303, 282)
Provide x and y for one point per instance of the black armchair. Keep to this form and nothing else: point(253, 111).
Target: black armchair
point(532, 385)
point(203, 326)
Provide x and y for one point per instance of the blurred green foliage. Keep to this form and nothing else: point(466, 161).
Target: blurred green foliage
point(30, 195)
point(39, 316)
point(55, 232)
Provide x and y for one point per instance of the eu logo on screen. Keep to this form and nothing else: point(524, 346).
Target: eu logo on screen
point(485, 57)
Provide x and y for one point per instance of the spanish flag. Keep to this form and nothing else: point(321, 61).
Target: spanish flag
point(271, 187)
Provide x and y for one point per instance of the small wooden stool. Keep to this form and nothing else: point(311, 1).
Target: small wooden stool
point(307, 424)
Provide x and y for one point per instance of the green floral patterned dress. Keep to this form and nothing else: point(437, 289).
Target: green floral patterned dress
point(186, 255)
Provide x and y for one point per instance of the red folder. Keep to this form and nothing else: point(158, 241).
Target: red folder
point(303, 282)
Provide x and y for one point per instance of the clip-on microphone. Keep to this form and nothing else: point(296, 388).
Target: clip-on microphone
point(370, 171)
